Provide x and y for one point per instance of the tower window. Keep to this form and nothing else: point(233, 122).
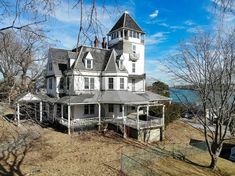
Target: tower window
point(134, 35)
point(50, 83)
point(131, 33)
point(121, 83)
point(68, 82)
point(133, 84)
point(133, 67)
point(134, 48)
point(125, 33)
point(61, 83)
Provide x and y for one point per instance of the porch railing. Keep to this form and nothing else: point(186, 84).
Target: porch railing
point(79, 122)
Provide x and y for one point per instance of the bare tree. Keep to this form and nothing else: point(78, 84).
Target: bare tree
point(208, 63)
point(22, 59)
point(15, 12)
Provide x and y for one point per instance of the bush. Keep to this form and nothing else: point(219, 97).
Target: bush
point(172, 112)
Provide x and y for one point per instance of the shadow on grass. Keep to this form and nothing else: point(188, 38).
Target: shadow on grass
point(13, 153)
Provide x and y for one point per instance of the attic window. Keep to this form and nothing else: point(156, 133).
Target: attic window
point(120, 64)
point(89, 61)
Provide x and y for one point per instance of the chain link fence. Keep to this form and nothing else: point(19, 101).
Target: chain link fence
point(142, 163)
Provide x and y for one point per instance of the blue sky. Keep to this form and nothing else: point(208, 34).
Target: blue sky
point(166, 23)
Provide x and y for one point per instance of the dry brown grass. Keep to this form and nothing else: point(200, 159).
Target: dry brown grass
point(91, 153)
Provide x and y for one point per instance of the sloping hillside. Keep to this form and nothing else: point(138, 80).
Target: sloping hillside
point(91, 153)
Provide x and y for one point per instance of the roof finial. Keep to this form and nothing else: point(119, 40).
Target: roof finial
point(126, 11)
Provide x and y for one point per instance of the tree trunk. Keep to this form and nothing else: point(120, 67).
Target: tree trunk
point(213, 162)
point(216, 150)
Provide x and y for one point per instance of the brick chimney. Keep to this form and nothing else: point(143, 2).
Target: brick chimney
point(104, 43)
point(96, 42)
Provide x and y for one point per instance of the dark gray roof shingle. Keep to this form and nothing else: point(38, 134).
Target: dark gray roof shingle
point(126, 21)
point(100, 58)
point(111, 66)
point(59, 60)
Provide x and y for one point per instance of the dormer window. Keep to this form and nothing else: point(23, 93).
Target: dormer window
point(88, 61)
point(120, 64)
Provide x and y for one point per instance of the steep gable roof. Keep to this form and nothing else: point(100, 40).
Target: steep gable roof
point(126, 21)
point(100, 58)
point(111, 66)
point(58, 59)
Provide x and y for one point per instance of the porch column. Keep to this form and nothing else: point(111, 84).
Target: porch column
point(163, 115)
point(138, 119)
point(162, 130)
point(69, 113)
point(40, 111)
point(18, 113)
point(99, 114)
point(147, 112)
point(48, 111)
point(35, 111)
point(54, 112)
point(62, 112)
point(124, 121)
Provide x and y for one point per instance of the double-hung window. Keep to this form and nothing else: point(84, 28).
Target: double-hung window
point(86, 80)
point(121, 83)
point(110, 83)
point(89, 109)
point(89, 83)
point(92, 83)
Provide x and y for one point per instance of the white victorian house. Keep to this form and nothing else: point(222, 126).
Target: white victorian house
point(97, 85)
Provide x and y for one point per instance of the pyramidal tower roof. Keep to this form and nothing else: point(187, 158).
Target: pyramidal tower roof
point(126, 21)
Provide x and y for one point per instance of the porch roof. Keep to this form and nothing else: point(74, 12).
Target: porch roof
point(29, 97)
point(112, 97)
point(151, 97)
point(121, 97)
point(86, 98)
